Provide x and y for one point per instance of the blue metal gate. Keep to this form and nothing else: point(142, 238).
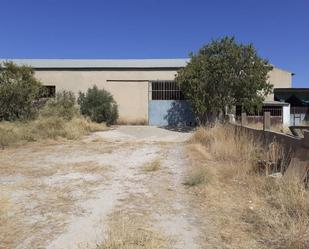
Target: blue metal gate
point(167, 106)
point(170, 113)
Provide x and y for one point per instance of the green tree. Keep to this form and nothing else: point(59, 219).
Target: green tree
point(224, 74)
point(19, 90)
point(99, 105)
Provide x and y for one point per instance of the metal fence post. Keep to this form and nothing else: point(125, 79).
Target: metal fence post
point(266, 121)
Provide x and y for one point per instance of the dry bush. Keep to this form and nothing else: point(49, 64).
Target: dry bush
point(8, 134)
point(197, 176)
point(125, 233)
point(63, 105)
point(46, 127)
point(152, 166)
point(249, 209)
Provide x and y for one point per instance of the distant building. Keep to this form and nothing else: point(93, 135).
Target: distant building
point(298, 98)
point(144, 89)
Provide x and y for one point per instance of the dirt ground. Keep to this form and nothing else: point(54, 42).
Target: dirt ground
point(63, 194)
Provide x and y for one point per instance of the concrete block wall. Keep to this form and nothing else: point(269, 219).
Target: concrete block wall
point(296, 149)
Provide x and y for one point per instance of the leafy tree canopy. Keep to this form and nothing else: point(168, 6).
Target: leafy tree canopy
point(224, 74)
point(19, 90)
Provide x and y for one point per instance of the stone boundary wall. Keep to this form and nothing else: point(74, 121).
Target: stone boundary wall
point(295, 148)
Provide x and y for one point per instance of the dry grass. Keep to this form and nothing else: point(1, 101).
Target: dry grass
point(50, 205)
point(125, 233)
point(47, 127)
point(8, 224)
point(248, 209)
point(40, 190)
point(281, 218)
point(132, 122)
point(4, 207)
point(152, 166)
point(224, 145)
point(89, 167)
point(39, 193)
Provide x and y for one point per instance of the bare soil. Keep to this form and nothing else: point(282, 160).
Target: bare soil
point(63, 194)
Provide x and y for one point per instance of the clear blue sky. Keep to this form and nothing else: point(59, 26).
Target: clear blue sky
point(279, 29)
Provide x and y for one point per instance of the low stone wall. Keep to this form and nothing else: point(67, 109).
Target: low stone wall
point(295, 148)
point(266, 137)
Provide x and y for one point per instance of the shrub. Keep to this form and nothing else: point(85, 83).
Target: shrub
point(63, 105)
point(18, 91)
point(99, 105)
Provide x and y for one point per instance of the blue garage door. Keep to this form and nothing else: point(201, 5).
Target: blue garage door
point(167, 106)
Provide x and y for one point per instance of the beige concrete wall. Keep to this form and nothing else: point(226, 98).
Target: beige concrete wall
point(129, 87)
point(280, 79)
point(132, 100)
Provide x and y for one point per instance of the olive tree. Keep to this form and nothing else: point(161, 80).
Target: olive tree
point(223, 74)
point(99, 105)
point(19, 90)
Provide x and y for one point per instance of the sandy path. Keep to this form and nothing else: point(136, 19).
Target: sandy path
point(99, 176)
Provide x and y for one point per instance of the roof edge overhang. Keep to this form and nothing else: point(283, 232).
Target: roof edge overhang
point(101, 64)
point(116, 64)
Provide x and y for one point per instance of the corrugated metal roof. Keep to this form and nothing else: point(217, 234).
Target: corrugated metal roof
point(102, 63)
point(98, 63)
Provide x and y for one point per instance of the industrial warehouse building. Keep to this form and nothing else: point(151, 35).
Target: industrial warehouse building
point(144, 89)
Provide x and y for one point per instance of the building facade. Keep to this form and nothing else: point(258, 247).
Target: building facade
point(144, 89)
point(298, 100)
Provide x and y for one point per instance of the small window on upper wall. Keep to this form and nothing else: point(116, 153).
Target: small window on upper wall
point(48, 91)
